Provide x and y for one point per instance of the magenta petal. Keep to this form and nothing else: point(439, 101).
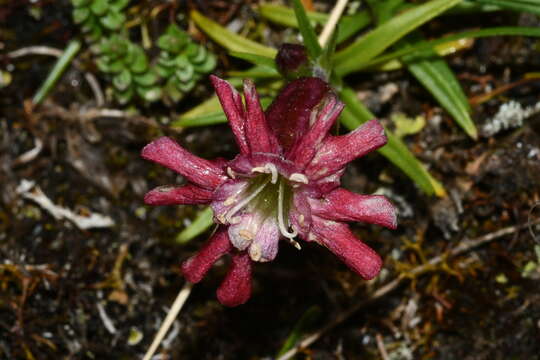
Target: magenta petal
point(236, 287)
point(303, 150)
point(265, 244)
point(178, 195)
point(259, 136)
point(300, 214)
point(288, 116)
point(339, 239)
point(198, 265)
point(337, 151)
point(167, 152)
point(231, 102)
point(343, 205)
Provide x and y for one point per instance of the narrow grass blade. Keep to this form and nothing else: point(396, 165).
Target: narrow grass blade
point(56, 73)
point(347, 27)
point(230, 40)
point(358, 54)
point(355, 114)
point(303, 325)
point(308, 33)
point(202, 222)
point(440, 81)
point(255, 59)
point(530, 6)
point(425, 47)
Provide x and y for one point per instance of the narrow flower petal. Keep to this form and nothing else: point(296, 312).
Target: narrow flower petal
point(258, 134)
point(244, 229)
point(337, 151)
point(198, 265)
point(236, 287)
point(322, 120)
point(289, 115)
point(265, 244)
point(339, 239)
point(167, 152)
point(343, 205)
point(178, 195)
point(300, 214)
point(231, 102)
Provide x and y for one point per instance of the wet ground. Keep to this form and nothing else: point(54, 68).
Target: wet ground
point(72, 293)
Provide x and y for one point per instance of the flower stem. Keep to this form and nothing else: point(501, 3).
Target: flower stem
point(332, 21)
point(169, 319)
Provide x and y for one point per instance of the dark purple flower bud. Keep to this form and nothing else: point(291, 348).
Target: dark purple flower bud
point(284, 184)
point(292, 61)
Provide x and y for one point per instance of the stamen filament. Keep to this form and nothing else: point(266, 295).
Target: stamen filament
point(245, 201)
point(281, 222)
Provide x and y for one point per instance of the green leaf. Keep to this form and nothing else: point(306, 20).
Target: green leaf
point(228, 39)
point(355, 114)
point(146, 79)
point(113, 20)
point(123, 80)
point(59, 68)
point(173, 44)
point(99, 7)
point(140, 63)
point(149, 93)
point(348, 25)
point(255, 59)
point(197, 56)
point(172, 90)
point(308, 33)
point(257, 72)
point(80, 15)
point(303, 325)
point(207, 66)
point(184, 69)
point(119, 4)
point(425, 47)
point(440, 81)
point(530, 6)
point(202, 222)
point(358, 54)
point(123, 97)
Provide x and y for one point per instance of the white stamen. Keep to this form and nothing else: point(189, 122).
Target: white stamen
point(245, 201)
point(235, 220)
point(281, 222)
point(299, 178)
point(273, 170)
point(259, 169)
point(230, 200)
point(295, 244)
point(230, 172)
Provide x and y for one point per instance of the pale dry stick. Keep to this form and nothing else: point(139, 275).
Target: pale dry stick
point(464, 246)
point(381, 347)
point(332, 21)
point(169, 319)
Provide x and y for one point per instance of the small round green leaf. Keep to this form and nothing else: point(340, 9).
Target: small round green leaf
point(122, 81)
point(99, 7)
point(80, 15)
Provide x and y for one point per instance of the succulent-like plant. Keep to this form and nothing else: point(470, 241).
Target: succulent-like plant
point(128, 66)
point(182, 62)
point(99, 17)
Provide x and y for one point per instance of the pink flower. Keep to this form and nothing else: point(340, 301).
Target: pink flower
point(284, 184)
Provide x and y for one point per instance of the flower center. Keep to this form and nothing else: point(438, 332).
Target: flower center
point(268, 194)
